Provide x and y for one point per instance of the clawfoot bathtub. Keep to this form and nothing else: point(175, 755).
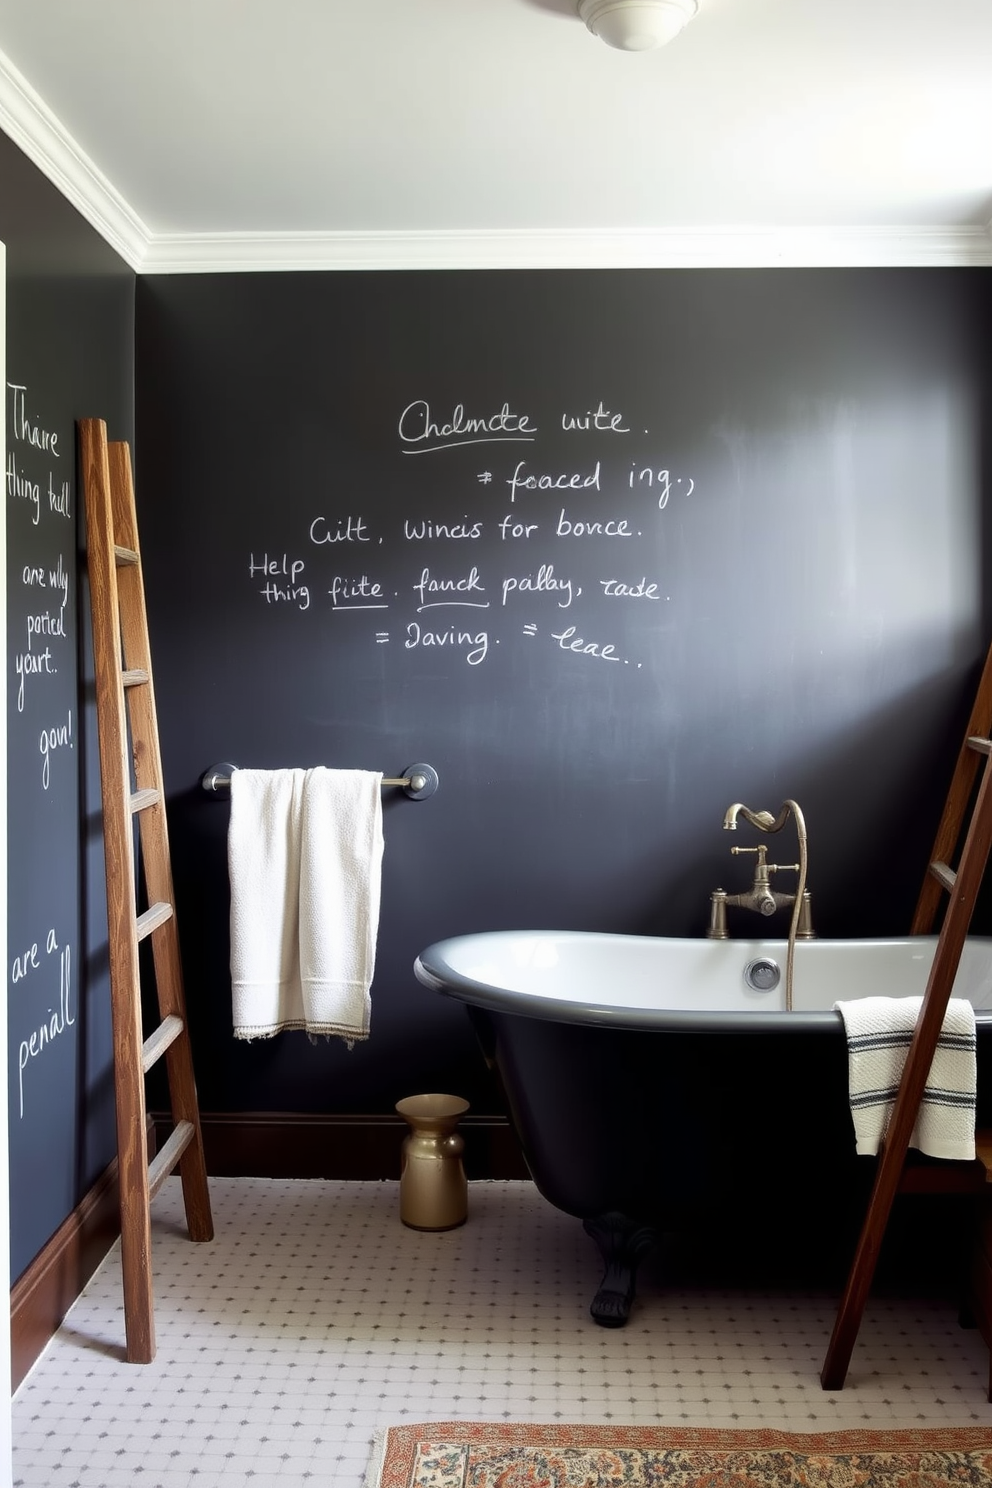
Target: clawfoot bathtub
point(654, 1083)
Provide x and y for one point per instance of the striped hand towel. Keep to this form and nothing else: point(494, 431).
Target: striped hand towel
point(879, 1030)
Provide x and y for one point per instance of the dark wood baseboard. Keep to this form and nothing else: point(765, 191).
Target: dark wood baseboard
point(286, 1144)
point(42, 1296)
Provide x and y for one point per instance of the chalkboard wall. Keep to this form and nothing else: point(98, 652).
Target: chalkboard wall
point(70, 311)
point(608, 550)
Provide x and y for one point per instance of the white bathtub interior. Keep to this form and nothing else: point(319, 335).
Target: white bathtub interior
point(640, 972)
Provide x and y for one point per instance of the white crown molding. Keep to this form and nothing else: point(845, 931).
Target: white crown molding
point(710, 247)
point(29, 122)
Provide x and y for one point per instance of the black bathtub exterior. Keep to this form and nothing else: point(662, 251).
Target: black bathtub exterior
point(653, 1123)
point(697, 1138)
point(648, 1135)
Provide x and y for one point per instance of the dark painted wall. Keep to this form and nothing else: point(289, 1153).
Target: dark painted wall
point(70, 354)
point(805, 608)
point(808, 616)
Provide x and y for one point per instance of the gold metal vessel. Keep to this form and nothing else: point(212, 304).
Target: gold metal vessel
point(433, 1186)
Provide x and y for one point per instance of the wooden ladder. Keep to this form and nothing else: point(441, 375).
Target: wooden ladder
point(969, 799)
point(128, 734)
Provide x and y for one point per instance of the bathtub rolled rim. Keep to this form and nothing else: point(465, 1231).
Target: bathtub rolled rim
point(434, 970)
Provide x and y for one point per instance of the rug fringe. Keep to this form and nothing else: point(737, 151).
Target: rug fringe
point(373, 1473)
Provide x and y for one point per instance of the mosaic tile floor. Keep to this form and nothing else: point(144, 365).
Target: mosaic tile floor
point(315, 1317)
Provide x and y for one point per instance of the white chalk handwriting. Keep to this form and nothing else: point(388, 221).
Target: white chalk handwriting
point(50, 740)
point(25, 428)
point(477, 644)
point(599, 419)
point(53, 1024)
point(450, 591)
point(420, 432)
point(563, 481)
point(584, 516)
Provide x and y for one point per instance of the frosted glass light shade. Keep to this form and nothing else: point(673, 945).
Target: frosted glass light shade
point(636, 25)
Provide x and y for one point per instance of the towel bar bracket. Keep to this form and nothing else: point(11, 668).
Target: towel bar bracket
point(218, 778)
point(417, 781)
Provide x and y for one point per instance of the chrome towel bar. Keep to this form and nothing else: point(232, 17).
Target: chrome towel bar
point(417, 781)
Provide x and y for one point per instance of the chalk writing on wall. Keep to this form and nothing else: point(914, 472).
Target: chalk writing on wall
point(41, 731)
point(550, 552)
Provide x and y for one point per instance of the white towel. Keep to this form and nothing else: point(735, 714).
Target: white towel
point(879, 1030)
point(305, 861)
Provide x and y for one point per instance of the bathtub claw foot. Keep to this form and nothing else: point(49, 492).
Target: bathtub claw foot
point(612, 1309)
point(621, 1244)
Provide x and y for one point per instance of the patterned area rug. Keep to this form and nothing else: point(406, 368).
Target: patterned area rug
point(472, 1454)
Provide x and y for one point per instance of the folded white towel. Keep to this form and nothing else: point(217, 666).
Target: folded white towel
point(305, 859)
point(879, 1030)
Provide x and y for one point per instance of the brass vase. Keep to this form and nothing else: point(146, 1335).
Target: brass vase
point(433, 1186)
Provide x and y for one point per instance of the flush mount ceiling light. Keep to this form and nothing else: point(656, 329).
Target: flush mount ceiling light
point(636, 25)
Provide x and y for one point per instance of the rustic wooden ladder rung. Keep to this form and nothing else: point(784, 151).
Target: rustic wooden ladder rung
point(129, 746)
point(969, 800)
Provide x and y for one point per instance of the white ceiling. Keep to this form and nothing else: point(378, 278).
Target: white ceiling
point(382, 133)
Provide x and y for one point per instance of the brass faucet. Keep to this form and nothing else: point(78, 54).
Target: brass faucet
point(761, 897)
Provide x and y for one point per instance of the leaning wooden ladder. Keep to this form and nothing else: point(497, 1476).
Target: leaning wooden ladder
point(128, 734)
point(969, 799)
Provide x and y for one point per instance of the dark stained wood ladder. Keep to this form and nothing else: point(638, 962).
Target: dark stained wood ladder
point(131, 778)
point(969, 799)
